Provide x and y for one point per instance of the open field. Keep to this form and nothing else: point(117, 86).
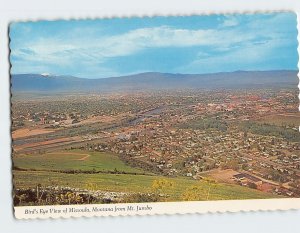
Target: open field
point(46, 143)
point(91, 120)
point(282, 119)
point(50, 170)
point(74, 160)
point(224, 176)
point(131, 184)
point(25, 132)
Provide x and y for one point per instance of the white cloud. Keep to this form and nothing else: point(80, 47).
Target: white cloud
point(247, 57)
point(97, 49)
point(231, 41)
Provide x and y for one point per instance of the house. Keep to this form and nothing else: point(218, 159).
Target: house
point(246, 179)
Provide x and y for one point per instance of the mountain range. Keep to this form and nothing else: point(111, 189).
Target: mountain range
point(31, 83)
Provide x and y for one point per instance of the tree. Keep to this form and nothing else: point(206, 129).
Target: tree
point(201, 191)
point(212, 184)
point(162, 186)
point(233, 164)
point(193, 193)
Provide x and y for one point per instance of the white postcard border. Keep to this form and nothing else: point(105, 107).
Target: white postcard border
point(163, 208)
point(131, 209)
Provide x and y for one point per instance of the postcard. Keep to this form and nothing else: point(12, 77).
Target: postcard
point(155, 115)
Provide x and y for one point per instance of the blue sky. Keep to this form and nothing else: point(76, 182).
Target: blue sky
point(194, 44)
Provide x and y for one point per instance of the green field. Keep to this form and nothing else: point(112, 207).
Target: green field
point(282, 120)
point(131, 184)
point(46, 170)
point(73, 160)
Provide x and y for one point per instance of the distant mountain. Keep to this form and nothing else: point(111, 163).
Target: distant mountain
point(31, 83)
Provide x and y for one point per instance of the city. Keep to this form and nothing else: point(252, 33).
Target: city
point(244, 137)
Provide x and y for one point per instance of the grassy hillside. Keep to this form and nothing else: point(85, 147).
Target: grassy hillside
point(48, 169)
point(133, 183)
point(74, 160)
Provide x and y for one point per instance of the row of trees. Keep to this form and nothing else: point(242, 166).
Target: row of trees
point(272, 130)
point(207, 123)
